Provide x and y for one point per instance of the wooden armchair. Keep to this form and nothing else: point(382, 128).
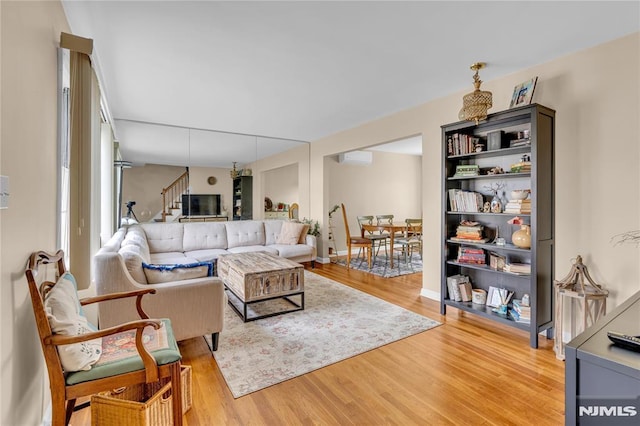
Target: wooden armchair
point(127, 364)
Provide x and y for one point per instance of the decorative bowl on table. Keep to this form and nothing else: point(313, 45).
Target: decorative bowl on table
point(520, 194)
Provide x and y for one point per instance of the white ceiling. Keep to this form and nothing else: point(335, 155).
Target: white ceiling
point(305, 70)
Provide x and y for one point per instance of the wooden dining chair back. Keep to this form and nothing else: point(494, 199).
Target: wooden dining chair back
point(293, 211)
point(355, 241)
point(410, 241)
point(94, 360)
point(378, 238)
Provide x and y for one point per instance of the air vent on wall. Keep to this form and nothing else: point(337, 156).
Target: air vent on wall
point(356, 157)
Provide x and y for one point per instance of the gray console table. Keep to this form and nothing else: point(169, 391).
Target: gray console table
point(597, 370)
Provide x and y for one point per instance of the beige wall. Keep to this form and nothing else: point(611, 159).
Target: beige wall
point(391, 184)
point(281, 185)
point(224, 186)
point(596, 96)
point(261, 168)
point(144, 185)
point(30, 32)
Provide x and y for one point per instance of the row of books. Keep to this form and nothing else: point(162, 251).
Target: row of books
point(520, 142)
point(471, 255)
point(459, 287)
point(466, 170)
point(469, 231)
point(521, 167)
point(465, 201)
point(459, 144)
point(518, 206)
point(518, 268)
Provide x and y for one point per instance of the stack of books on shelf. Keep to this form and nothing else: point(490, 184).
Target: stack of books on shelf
point(518, 206)
point(521, 167)
point(465, 201)
point(471, 255)
point(459, 144)
point(469, 231)
point(520, 142)
point(459, 288)
point(520, 312)
point(467, 170)
point(518, 268)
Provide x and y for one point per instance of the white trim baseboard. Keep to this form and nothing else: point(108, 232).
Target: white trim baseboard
point(430, 294)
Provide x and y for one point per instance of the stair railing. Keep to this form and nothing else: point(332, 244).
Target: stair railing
point(172, 194)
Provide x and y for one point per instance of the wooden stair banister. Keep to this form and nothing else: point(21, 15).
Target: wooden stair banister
point(171, 193)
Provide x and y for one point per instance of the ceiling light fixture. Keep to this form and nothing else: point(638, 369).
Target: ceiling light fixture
point(476, 104)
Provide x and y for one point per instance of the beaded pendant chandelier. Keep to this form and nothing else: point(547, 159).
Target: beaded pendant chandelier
point(476, 104)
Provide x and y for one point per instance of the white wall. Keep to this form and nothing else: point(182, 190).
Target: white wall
point(596, 96)
point(30, 32)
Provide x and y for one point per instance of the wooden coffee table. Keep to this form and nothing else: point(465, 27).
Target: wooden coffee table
point(260, 276)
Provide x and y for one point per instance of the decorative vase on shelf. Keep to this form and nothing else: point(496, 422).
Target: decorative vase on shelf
point(496, 204)
point(522, 237)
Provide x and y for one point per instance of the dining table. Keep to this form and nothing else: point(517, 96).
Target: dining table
point(390, 228)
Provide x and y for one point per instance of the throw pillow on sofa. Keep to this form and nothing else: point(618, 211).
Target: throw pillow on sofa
point(290, 233)
point(67, 318)
point(157, 274)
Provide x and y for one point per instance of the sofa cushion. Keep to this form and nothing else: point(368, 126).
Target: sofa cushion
point(272, 229)
point(303, 234)
point(206, 235)
point(136, 237)
point(290, 233)
point(164, 237)
point(159, 273)
point(289, 251)
point(245, 233)
point(248, 249)
point(169, 257)
point(67, 318)
point(133, 257)
point(209, 255)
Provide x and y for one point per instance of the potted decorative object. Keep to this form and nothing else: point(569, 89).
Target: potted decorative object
point(333, 210)
point(314, 227)
point(521, 237)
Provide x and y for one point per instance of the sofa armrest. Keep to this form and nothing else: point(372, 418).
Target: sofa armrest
point(312, 241)
point(195, 307)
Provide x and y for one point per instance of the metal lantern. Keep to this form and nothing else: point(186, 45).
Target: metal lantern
point(579, 303)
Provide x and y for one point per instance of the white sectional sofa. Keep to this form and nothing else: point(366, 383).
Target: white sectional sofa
point(194, 305)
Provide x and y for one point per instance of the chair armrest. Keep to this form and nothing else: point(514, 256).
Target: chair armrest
point(150, 366)
point(121, 295)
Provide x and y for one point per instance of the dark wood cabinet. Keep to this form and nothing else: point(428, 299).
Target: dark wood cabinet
point(518, 136)
point(243, 198)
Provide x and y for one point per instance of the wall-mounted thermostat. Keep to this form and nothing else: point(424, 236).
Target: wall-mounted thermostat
point(4, 192)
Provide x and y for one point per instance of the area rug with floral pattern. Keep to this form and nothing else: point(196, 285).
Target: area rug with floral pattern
point(338, 322)
point(380, 265)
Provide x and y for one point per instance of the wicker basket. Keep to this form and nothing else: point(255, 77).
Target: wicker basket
point(185, 377)
point(130, 406)
point(141, 404)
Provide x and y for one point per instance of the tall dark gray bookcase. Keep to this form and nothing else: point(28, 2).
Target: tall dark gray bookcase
point(503, 148)
point(243, 198)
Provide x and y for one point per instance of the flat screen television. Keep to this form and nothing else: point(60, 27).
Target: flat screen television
point(201, 205)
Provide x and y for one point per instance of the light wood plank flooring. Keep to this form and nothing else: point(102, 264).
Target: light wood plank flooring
point(469, 371)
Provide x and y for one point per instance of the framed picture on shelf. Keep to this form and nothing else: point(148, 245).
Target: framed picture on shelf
point(523, 93)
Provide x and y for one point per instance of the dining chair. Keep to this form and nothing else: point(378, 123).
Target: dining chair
point(377, 239)
point(355, 241)
point(82, 360)
point(411, 239)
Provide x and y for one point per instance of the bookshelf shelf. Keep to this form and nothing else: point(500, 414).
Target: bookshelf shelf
point(539, 121)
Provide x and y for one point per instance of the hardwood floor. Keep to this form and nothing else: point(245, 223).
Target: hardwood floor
point(468, 371)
